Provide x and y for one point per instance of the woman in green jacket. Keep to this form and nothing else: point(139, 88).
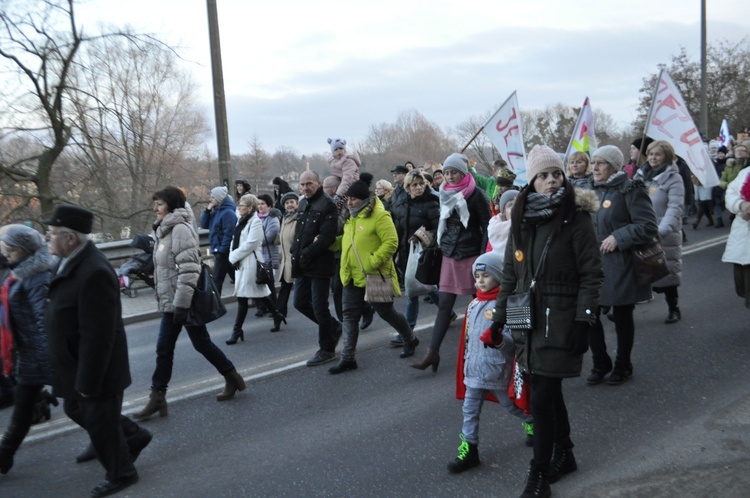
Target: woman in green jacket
point(367, 248)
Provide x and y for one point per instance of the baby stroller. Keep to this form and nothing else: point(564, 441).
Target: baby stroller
point(139, 267)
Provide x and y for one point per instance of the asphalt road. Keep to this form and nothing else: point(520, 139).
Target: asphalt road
point(680, 428)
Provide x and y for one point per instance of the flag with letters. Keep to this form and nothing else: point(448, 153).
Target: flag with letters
point(670, 120)
point(506, 134)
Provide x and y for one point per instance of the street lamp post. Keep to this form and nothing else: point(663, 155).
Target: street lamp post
point(220, 106)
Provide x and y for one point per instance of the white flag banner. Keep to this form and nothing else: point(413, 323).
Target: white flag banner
point(724, 136)
point(670, 120)
point(506, 134)
point(584, 137)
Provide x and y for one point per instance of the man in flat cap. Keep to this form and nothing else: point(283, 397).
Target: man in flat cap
point(88, 347)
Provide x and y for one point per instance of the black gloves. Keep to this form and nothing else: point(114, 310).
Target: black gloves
point(180, 316)
point(580, 340)
point(493, 336)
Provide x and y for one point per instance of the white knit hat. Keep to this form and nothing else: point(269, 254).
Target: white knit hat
point(540, 158)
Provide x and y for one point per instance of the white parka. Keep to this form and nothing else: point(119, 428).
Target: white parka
point(738, 243)
point(247, 254)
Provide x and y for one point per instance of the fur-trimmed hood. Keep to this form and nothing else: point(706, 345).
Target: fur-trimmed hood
point(586, 200)
point(39, 262)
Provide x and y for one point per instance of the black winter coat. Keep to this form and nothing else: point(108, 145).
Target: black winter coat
point(422, 211)
point(567, 289)
point(459, 242)
point(626, 213)
point(83, 321)
point(27, 301)
point(317, 225)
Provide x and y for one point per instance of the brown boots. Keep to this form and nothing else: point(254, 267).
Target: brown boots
point(157, 402)
point(431, 358)
point(233, 383)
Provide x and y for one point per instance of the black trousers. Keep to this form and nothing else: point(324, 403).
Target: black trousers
point(20, 421)
point(102, 420)
point(551, 425)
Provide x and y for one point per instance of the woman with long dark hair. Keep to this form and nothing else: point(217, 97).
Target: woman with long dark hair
point(462, 237)
point(553, 244)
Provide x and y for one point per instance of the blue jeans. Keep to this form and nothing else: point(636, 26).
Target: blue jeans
point(353, 301)
point(311, 299)
point(473, 401)
point(412, 307)
point(168, 333)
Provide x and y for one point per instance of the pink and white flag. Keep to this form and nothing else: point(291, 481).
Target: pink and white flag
point(584, 137)
point(670, 120)
point(506, 134)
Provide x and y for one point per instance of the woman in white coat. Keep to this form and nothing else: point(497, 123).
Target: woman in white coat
point(737, 251)
point(244, 254)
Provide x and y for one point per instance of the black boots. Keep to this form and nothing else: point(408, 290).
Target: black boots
point(409, 348)
point(431, 358)
point(468, 457)
point(237, 335)
point(157, 402)
point(674, 315)
point(537, 485)
point(343, 366)
point(277, 319)
point(233, 382)
point(563, 463)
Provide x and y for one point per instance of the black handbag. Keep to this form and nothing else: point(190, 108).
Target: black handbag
point(429, 266)
point(649, 263)
point(206, 305)
point(519, 308)
point(263, 270)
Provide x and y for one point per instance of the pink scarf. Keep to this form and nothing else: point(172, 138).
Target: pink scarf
point(467, 185)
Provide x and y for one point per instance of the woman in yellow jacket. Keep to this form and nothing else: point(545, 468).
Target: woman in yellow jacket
point(367, 248)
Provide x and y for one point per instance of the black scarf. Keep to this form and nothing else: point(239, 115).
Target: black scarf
point(540, 207)
point(241, 224)
point(650, 173)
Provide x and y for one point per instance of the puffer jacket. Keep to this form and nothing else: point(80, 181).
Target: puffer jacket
point(245, 257)
point(567, 288)
point(373, 234)
point(220, 222)
point(737, 250)
point(422, 211)
point(459, 242)
point(486, 368)
point(177, 261)
point(317, 225)
point(271, 228)
point(346, 168)
point(625, 211)
point(27, 300)
point(667, 193)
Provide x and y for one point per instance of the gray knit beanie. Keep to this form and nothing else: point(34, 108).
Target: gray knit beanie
point(492, 263)
point(219, 193)
point(457, 161)
point(611, 154)
point(24, 238)
point(336, 143)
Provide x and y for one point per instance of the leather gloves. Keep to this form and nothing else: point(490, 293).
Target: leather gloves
point(580, 340)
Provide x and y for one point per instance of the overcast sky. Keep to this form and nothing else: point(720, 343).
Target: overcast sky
point(297, 72)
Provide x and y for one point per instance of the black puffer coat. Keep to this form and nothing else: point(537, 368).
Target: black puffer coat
point(317, 225)
point(459, 242)
point(422, 211)
point(626, 213)
point(27, 301)
point(567, 288)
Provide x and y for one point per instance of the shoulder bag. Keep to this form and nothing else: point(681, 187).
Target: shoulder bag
point(206, 305)
point(519, 308)
point(263, 270)
point(378, 288)
point(429, 265)
point(649, 263)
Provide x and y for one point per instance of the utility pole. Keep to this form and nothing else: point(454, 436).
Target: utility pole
point(704, 105)
point(220, 105)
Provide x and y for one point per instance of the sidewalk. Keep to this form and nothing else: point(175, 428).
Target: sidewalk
point(143, 305)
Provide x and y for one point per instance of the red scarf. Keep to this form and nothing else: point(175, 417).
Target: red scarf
point(6, 334)
point(488, 296)
point(745, 190)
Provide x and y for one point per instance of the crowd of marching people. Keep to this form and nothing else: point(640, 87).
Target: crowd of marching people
point(544, 262)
